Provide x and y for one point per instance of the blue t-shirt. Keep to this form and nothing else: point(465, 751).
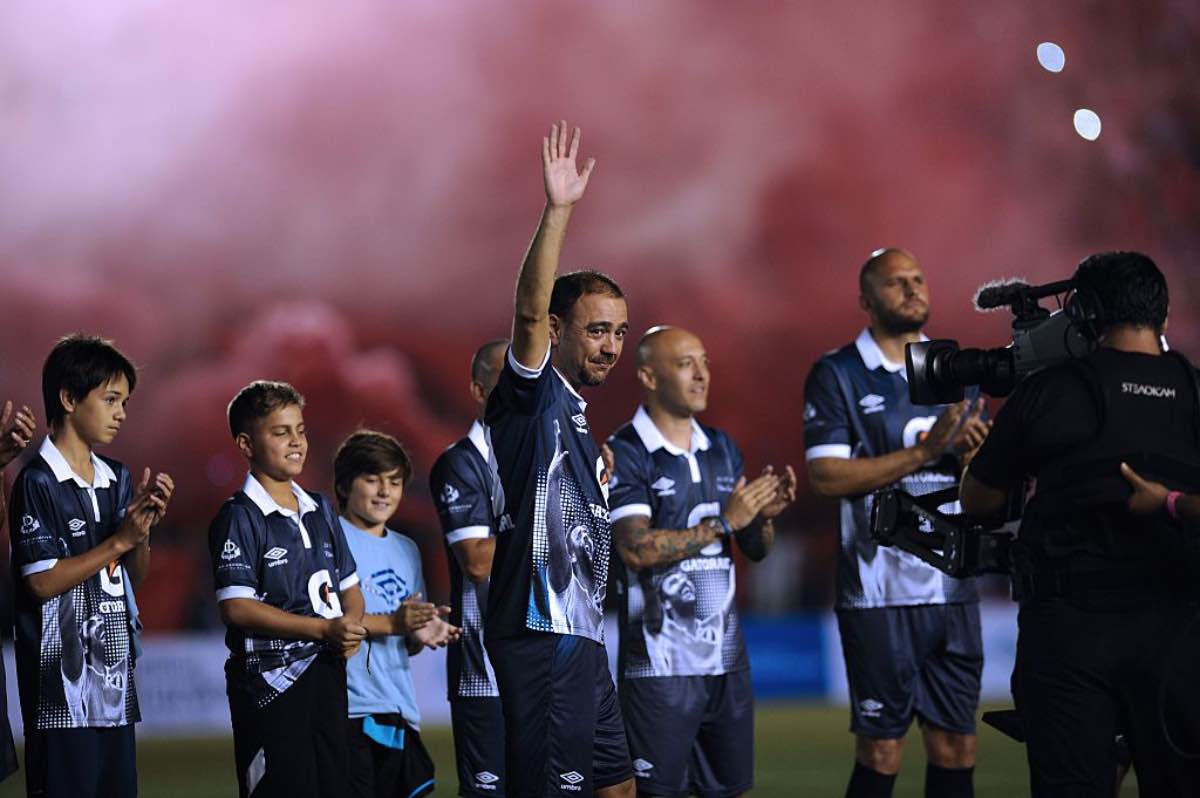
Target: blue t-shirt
point(466, 492)
point(868, 413)
point(378, 677)
point(297, 562)
point(550, 572)
point(74, 652)
point(677, 619)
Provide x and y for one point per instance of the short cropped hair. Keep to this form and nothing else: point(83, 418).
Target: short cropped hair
point(258, 400)
point(480, 367)
point(569, 287)
point(1128, 286)
point(367, 452)
point(872, 263)
point(79, 364)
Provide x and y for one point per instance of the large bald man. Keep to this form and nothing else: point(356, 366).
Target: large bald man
point(910, 634)
point(678, 501)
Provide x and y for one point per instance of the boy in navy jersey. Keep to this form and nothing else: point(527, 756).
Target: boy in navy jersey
point(288, 592)
point(388, 757)
point(469, 501)
point(862, 433)
point(81, 542)
point(679, 501)
point(544, 623)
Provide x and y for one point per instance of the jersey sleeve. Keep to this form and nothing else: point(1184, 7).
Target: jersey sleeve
point(464, 507)
point(347, 567)
point(629, 484)
point(521, 390)
point(827, 430)
point(235, 547)
point(36, 543)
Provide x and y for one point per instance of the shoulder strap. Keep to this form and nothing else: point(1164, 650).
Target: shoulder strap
point(844, 386)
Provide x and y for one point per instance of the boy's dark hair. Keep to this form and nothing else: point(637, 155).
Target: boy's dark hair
point(367, 452)
point(572, 285)
point(79, 364)
point(1128, 287)
point(257, 400)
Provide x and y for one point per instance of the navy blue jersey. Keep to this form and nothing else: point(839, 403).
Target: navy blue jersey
point(550, 571)
point(466, 492)
point(297, 562)
point(677, 619)
point(857, 405)
point(74, 651)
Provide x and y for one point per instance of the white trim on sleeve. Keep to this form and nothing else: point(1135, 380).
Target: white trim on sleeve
point(38, 567)
point(841, 451)
point(468, 533)
point(627, 510)
point(349, 582)
point(236, 591)
point(523, 370)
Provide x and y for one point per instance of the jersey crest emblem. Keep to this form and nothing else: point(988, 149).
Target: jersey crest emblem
point(230, 551)
point(449, 494)
point(664, 486)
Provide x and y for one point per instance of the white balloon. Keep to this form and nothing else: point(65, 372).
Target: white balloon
point(1051, 57)
point(1087, 124)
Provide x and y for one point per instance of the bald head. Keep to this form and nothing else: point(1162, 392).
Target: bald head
point(880, 258)
point(673, 370)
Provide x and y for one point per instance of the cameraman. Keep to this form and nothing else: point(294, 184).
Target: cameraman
point(1102, 591)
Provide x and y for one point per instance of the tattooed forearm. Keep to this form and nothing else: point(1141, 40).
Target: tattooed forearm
point(643, 547)
point(756, 540)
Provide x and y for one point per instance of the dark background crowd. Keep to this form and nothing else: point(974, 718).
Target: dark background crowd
point(223, 189)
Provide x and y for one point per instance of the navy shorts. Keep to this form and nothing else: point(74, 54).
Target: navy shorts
point(691, 734)
point(478, 745)
point(562, 723)
point(387, 757)
point(296, 746)
point(923, 661)
point(81, 763)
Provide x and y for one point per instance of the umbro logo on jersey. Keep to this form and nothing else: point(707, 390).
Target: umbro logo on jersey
point(664, 486)
point(580, 421)
point(78, 527)
point(872, 403)
point(571, 781)
point(449, 494)
point(230, 551)
point(486, 780)
point(642, 768)
point(505, 523)
point(870, 708)
point(276, 556)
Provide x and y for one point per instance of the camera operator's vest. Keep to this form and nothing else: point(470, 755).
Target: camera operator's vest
point(1148, 413)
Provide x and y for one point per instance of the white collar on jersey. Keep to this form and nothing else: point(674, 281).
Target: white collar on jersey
point(653, 440)
point(873, 356)
point(478, 436)
point(532, 374)
point(258, 494)
point(103, 474)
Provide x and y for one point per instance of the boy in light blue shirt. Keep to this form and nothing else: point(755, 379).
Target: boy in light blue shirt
point(387, 755)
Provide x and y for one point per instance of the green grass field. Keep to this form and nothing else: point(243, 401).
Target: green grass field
point(801, 750)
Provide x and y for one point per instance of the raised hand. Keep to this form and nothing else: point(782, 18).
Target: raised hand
point(146, 510)
point(564, 183)
point(16, 431)
point(785, 494)
point(748, 499)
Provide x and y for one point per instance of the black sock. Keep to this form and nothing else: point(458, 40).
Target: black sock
point(867, 783)
point(948, 782)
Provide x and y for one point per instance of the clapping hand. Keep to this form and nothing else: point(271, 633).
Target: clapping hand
point(16, 431)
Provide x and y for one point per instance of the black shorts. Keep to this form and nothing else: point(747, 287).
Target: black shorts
point(295, 746)
point(478, 745)
point(562, 723)
point(81, 763)
point(904, 661)
point(387, 758)
point(691, 734)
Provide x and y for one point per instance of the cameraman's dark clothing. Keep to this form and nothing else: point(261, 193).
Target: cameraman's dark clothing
point(1103, 593)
